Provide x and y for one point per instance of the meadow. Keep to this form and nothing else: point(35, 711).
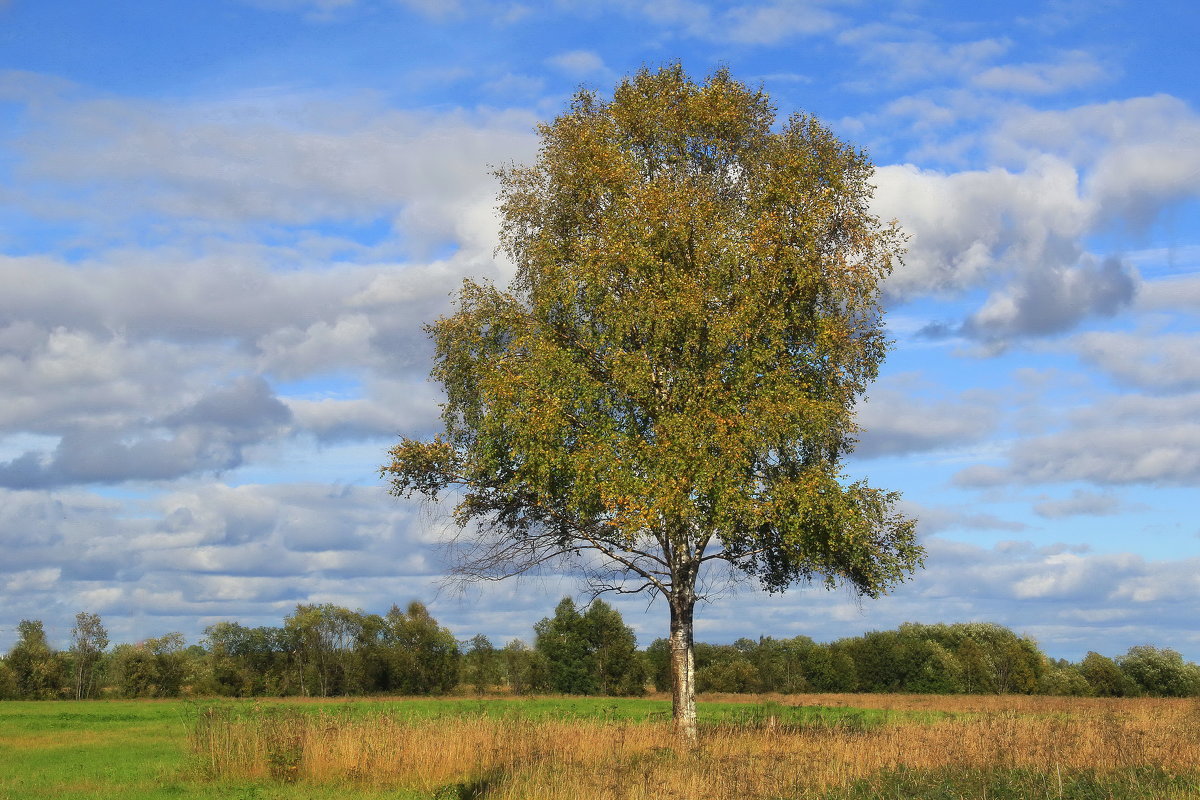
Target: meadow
point(831, 747)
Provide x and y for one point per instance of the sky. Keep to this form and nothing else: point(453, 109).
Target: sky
point(223, 225)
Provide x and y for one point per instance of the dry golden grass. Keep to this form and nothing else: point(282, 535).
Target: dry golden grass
point(580, 759)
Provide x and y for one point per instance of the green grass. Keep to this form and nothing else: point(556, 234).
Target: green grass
point(597, 708)
point(114, 750)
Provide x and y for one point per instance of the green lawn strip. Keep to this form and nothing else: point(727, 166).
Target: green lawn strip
point(126, 749)
point(590, 708)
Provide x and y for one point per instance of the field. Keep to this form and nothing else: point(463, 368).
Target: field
point(832, 747)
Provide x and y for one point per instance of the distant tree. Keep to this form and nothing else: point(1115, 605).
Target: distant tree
point(563, 642)
point(618, 668)
point(1064, 678)
point(1163, 673)
point(246, 662)
point(88, 642)
point(978, 675)
point(155, 667)
point(8, 682)
point(940, 671)
point(170, 662)
point(525, 670)
point(831, 668)
point(422, 656)
point(326, 637)
point(482, 665)
point(779, 663)
point(1105, 677)
point(593, 652)
point(658, 661)
point(133, 671)
point(734, 674)
point(39, 671)
point(670, 382)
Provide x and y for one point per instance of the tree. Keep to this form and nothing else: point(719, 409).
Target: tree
point(325, 636)
point(669, 383)
point(88, 640)
point(612, 645)
point(422, 656)
point(8, 683)
point(1105, 677)
point(1160, 672)
point(156, 667)
point(562, 640)
point(525, 670)
point(38, 670)
point(482, 666)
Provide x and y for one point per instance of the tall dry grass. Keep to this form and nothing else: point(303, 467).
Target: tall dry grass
point(517, 758)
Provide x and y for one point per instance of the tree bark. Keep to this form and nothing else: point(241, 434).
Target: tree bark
point(683, 670)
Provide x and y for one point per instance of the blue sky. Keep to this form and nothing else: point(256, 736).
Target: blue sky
point(222, 225)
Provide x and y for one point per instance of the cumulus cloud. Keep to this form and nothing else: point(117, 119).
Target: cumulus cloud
point(270, 159)
point(210, 434)
point(896, 422)
point(972, 226)
point(1023, 230)
point(249, 552)
point(1129, 439)
point(1141, 155)
point(938, 519)
point(766, 23)
point(923, 59)
point(1171, 294)
point(391, 408)
point(1053, 299)
point(1074, 70)
point(1080, 503)
point(577, 63)
point(1019, 233)
point(325, 10)
point(1154, 362)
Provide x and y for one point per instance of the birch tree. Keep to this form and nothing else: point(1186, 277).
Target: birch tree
point(88, 640)
point(668, 384)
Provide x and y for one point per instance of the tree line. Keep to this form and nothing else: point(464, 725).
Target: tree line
point(326, 650)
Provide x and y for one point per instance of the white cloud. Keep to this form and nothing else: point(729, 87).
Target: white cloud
point(1140, 155)
point(902, 55)
point(263, 159)
point(578, 63)
point(1175, 293)
point(765, 23)
point(1021, 233)
point(1053, 299)
point(966, 227)
point(897, 422)
point(324, 10)
point(774, 22)
point(1163, 362)
point(1074, 70)
point(1127, 439)
point(1080, 503)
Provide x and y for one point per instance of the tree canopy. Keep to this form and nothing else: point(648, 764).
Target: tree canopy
point(671, 377)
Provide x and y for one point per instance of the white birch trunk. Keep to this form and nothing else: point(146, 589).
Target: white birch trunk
point(683, 672)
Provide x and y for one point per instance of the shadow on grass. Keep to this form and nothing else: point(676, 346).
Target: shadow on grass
point(474, 789)
point(1018, 784)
